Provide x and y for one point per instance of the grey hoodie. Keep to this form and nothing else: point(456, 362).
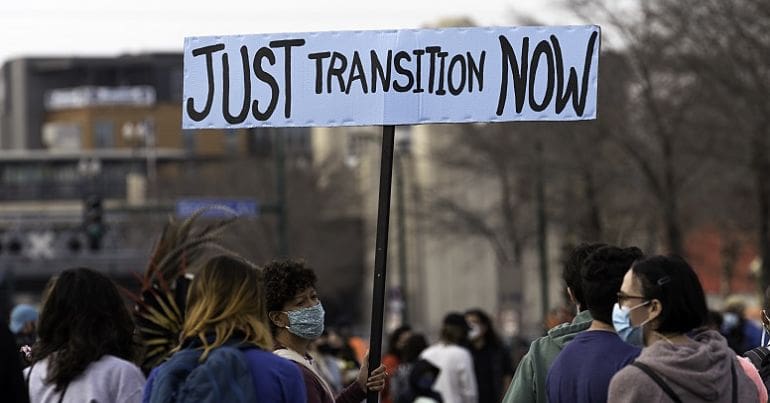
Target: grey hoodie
point(697, 372)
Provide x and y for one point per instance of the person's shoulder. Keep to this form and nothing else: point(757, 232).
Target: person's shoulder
point(431, 350)
point(568, 330)
point(627, 376)
point(459, 350)
point(116, 370)
point(118, 364)
point(632, 384)
point(630, 351)
point(275, 363)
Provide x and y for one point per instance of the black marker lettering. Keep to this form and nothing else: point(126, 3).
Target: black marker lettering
point(441, 90)
point(356, 73)
point(455, 60)
point(336, 71)
point(542, 48)
point(226, 88)
point(377, 71)
point(519, 75)
point(403, 71)
point(319, 57)
point(475, 70)
point(563, 96)
point(209, 52)
point(432, 50)
point(267, 78)
point(287, 44)
point(418, 69)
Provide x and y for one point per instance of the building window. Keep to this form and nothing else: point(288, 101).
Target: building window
point(104, 134)
point(231, 141)
point(188, 139)
point(261, 142)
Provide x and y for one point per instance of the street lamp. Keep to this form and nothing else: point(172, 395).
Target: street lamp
point(142, 133)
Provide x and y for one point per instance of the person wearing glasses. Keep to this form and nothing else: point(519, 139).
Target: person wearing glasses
point(661, 299)
point(582, 372)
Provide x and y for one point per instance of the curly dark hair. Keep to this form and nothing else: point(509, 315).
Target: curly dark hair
point(83, 319)
point(572, 266)
point(602, 274)
point(284, 279)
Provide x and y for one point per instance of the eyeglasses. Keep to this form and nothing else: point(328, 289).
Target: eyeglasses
point(622, 297)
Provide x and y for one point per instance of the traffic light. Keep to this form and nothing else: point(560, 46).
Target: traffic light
point(14, 246)
point(93, 222)
point(73, 244)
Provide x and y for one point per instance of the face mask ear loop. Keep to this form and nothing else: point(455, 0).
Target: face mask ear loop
point(641, 325)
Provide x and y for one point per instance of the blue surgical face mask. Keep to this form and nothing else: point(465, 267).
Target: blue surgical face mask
point(621, 321)
point(307, 323)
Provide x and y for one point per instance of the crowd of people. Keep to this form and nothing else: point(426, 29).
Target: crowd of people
point(642, 332)
point(246, 336)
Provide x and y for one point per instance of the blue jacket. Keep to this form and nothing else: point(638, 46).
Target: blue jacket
point(276, 379)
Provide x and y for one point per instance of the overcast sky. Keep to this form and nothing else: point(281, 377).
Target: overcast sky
point(103, 27)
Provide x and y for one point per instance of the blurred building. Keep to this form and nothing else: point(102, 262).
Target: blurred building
point(76, 127)
point(111, 126)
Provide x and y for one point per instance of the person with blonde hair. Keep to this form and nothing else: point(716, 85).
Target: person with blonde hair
point(226, 345)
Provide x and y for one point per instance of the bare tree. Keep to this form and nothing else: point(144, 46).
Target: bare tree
point(727, 46)
point(657, 128)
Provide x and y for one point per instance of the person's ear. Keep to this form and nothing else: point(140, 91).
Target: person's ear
point(279, 318)
point(656, 309)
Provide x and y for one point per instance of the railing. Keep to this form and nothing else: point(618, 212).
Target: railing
point(52, 190)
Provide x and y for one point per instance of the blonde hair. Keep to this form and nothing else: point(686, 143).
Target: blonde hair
point(225, 297)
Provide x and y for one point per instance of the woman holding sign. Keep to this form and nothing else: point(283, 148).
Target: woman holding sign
point(297, 319)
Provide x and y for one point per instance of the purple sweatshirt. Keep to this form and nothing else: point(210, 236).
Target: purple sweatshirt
point(699, 371)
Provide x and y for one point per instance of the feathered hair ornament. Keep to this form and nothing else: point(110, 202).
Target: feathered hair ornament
point(160, 304)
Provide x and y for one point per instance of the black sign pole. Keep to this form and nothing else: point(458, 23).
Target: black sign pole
point(381, 254)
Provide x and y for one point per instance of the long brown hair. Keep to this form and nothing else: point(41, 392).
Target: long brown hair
point(227, 297)
point(83, 319)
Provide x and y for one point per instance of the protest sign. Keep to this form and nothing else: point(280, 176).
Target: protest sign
point(394, 77)
point(391, 77)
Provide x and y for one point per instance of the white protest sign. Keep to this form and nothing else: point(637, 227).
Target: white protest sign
point(391, 77)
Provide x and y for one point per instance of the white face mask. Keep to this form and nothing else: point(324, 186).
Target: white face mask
point(474, 332)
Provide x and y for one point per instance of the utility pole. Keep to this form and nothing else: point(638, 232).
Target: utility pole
point(280, 192)
point(542, 236)
point(400, 213)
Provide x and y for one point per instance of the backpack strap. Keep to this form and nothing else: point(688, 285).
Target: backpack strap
point(663, 385)
point(29, 375)
point(735, 381)
point(61, 396)
point(758, 356)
